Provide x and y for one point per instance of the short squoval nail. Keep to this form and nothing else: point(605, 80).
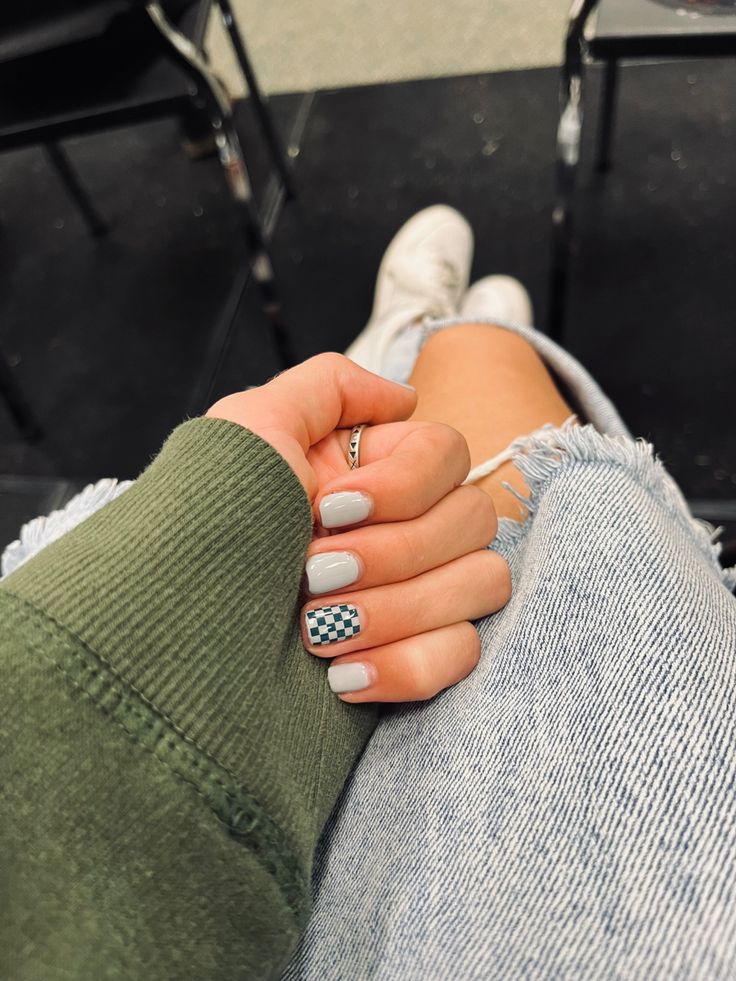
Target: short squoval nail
point(331, 624)
point(329, 571)
point(344, 508)
point(343, 678)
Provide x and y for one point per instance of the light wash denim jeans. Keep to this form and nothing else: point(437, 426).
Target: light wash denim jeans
point(569, 810)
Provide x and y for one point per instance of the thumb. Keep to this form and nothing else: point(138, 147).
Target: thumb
point(329, 391)
point(301, 406)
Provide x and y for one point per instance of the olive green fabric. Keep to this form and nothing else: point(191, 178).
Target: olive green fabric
point(169, 752)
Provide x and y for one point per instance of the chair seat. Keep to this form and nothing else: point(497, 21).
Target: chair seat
point(37, 27)
point(113, 79)
point(663, 28)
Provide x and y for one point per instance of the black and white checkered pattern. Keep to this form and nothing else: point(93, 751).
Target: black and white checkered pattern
point(332, 623)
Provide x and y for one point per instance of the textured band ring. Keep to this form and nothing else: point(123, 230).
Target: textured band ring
point(354, 446)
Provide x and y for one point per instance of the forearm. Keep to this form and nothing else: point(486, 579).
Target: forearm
point(161, 635)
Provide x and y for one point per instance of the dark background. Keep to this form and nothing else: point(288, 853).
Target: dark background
point(116, 341)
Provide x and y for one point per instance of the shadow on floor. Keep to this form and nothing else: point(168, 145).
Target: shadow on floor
point(109, 338)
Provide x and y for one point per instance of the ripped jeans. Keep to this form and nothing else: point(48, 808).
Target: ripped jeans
point(569, 810)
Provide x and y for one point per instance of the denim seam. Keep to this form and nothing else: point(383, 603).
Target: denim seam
point(129, 708)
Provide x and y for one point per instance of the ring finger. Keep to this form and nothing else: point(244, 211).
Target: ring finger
point(466, 589)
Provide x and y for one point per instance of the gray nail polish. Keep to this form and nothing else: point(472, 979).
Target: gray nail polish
point(344, 508)
point(348, 677)
point(329, 571)
point(330, 624)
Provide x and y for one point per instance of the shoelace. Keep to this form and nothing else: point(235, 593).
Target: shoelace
point(431, 280)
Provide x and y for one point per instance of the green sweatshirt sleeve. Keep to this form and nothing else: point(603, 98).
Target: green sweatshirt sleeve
point(169, 753)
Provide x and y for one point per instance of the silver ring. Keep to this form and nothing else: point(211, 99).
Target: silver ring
point(354, 446)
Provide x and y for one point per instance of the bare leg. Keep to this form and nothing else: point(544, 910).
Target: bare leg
point(492, 386)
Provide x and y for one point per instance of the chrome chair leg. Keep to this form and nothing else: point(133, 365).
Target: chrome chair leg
point(209, 89)
point(265, 118)
point(562, 230)
point(569, 134)
point(608, 114)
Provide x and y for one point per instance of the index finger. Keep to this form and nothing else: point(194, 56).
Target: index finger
point(426, 464)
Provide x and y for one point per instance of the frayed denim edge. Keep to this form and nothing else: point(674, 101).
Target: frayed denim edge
point(548, 452)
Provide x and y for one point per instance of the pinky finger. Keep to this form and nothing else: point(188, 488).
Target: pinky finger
point(409, 670)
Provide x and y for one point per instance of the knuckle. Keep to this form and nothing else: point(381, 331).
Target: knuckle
point(457, 445)
point(449, 441)
point(494, 577)
point(330, 360)
point(419, 677)
point(414, 547)
point(429, 668)
point(502, 576)
point(469, 641)
point(398, 553)
point(479, 506)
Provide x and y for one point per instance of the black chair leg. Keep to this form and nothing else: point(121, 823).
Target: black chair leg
point(559, 269)
point(264, 116)
point(608, 114)
point(96, 224)
point(568, 154)
point(559, 262)
point(569, 132)
point(231, 157)
point(233, 163)
point(14, 399)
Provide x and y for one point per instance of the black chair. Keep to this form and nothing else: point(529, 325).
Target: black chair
point(632, 29)
point(78, 66)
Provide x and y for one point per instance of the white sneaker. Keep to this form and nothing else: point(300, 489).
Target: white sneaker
point(500, 297)
point(424, 273)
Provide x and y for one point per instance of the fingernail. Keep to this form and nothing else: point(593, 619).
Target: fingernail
point(348, 677)
point(344, 508)
point(329, 571)
point(407, 385)
point(330, 624)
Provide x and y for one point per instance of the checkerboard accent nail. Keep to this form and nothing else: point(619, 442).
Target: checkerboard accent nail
point(329, 624)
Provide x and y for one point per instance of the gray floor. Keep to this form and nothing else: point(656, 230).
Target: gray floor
point(303, 45)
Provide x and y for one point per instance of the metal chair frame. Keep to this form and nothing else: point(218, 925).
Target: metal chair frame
point(230, 153)
point(569, 132)
point(578, 51)
point(207, 94)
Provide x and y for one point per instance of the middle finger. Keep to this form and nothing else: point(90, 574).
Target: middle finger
point(466, 589)
point(463, 521)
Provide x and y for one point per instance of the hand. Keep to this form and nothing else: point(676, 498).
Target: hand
point(411, 540)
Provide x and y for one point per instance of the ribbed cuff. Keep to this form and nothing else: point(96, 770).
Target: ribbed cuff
point(187, 586)
point(208, 541)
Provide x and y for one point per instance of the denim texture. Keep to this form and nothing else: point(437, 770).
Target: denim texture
point(569, 810)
